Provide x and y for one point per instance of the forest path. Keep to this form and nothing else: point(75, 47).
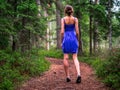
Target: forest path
point(54, 78)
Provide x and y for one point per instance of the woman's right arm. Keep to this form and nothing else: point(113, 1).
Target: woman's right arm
point(77, 28)
point(62, 30)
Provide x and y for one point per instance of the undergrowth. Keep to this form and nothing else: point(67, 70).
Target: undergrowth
point(109, 70)
point(54, 53)
point(15, 68)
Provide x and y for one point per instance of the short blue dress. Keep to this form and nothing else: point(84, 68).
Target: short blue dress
point(70, 41)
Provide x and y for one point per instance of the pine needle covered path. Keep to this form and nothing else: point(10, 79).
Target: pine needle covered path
point(54, 79)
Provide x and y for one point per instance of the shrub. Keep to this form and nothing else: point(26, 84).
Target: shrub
point(107, 67)
point(16, 68)
point(110, 70)
point(52, 53)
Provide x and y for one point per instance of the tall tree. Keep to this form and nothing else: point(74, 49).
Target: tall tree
point(14, 43)
point(90, 28)
point(21, 21)
point(79, 15)
point(95, 32)
point(59, 7)
point(110, 23)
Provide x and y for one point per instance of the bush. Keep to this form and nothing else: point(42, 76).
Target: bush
point(16, 68)
point(4, 38)
point(52, 53)
point(110, 70)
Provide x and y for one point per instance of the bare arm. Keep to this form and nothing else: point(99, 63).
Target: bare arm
point(62, 30)
point(77, 28)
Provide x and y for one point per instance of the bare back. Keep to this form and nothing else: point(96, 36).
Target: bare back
point(69, 20)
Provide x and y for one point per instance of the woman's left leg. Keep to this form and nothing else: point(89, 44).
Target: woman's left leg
point(76, 62)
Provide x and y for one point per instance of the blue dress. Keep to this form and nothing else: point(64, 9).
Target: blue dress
point(70, 42)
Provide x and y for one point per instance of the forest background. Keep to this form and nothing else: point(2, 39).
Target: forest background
point(30, 31)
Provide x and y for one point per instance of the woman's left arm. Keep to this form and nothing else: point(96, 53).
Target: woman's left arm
point(77, 28)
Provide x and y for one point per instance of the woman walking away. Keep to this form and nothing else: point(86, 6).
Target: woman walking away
point(70, 41)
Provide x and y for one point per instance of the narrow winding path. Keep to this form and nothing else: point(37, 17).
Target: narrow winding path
point(54, 79)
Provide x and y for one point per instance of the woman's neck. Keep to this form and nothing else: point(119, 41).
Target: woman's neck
point(68, 16)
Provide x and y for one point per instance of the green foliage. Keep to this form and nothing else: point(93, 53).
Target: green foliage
point(115, 26)
point(93, 61)
point(15, 68)
point(100, 14)
point(4, 41)
point(6, 85)
point(54, 53)
point(109, 70)
point(106, 68)
point(16, 16)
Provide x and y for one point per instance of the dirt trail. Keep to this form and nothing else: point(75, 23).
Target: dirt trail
point(54, 79)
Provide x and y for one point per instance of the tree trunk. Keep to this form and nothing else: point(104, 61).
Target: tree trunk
point(80, 42)
point(38, 2)
point(79, 15)
point(90, 35)
point(95, 36)
point(14, 40)
point(58, 24)
point(13, 43)
point(95, 33)
point(48, 37)
point(90, 29)
point(24, 37)
point(37, 39)
point(110, 25)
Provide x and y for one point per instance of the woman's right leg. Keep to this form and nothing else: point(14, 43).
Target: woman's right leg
point(66, 65)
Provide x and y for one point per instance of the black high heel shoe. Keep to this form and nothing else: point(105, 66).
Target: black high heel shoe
point(78, 79)
point(68, 79)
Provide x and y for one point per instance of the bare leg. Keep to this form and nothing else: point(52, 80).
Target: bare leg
point(76, 64)
point(77, 68)
point(66, 65)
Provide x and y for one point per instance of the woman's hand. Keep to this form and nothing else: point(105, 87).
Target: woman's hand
point(78, 43)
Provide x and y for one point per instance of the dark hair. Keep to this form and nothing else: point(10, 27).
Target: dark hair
point(68, 10)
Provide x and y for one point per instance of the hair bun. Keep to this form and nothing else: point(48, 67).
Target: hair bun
point(68, 10)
